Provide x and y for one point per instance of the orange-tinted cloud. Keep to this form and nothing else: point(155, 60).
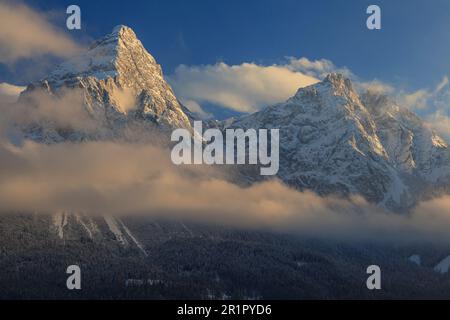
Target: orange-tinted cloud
point(25, 33)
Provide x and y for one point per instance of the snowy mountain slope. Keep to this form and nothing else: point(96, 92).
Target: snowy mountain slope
point(334, 141)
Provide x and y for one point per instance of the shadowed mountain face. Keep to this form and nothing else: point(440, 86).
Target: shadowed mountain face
point(333, 141)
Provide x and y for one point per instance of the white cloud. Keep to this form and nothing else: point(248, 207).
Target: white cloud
point(430, 99)
point(9, 92)
point(246, 87)
point(415, 100)
point(65, 110)
point(440, 122)
point(316, 68)
point(76, 178)
point(432, 104)
point(441, 85)
point(375, 86)
point(25, 33)
point(195, 108)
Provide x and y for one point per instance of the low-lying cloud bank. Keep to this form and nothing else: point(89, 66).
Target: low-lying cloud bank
point(124, 179)
point(245, 88)
point(64, 111)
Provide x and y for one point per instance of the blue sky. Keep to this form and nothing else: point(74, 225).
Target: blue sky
point(413, 47)
point(411, 51)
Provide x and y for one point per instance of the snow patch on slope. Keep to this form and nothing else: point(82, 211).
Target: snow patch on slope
point(443, 266)
point(115, 229)
point(89, 226)
point(415, 258)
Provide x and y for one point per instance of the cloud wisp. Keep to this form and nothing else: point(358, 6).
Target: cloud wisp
point(64, 111)
point(9, 93)
point(26, 33)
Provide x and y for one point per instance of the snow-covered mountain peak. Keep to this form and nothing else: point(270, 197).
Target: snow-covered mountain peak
point(120, 81)
point(119, 33)
point(334, 87)
point(376, 101)
point(117, 54)
point(335, 101)
point(121, 30)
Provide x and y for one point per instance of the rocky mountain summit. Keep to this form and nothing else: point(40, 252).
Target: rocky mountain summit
point(119, 82)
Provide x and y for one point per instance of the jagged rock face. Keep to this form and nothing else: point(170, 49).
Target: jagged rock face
point(119, 81)
point(332, 141)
